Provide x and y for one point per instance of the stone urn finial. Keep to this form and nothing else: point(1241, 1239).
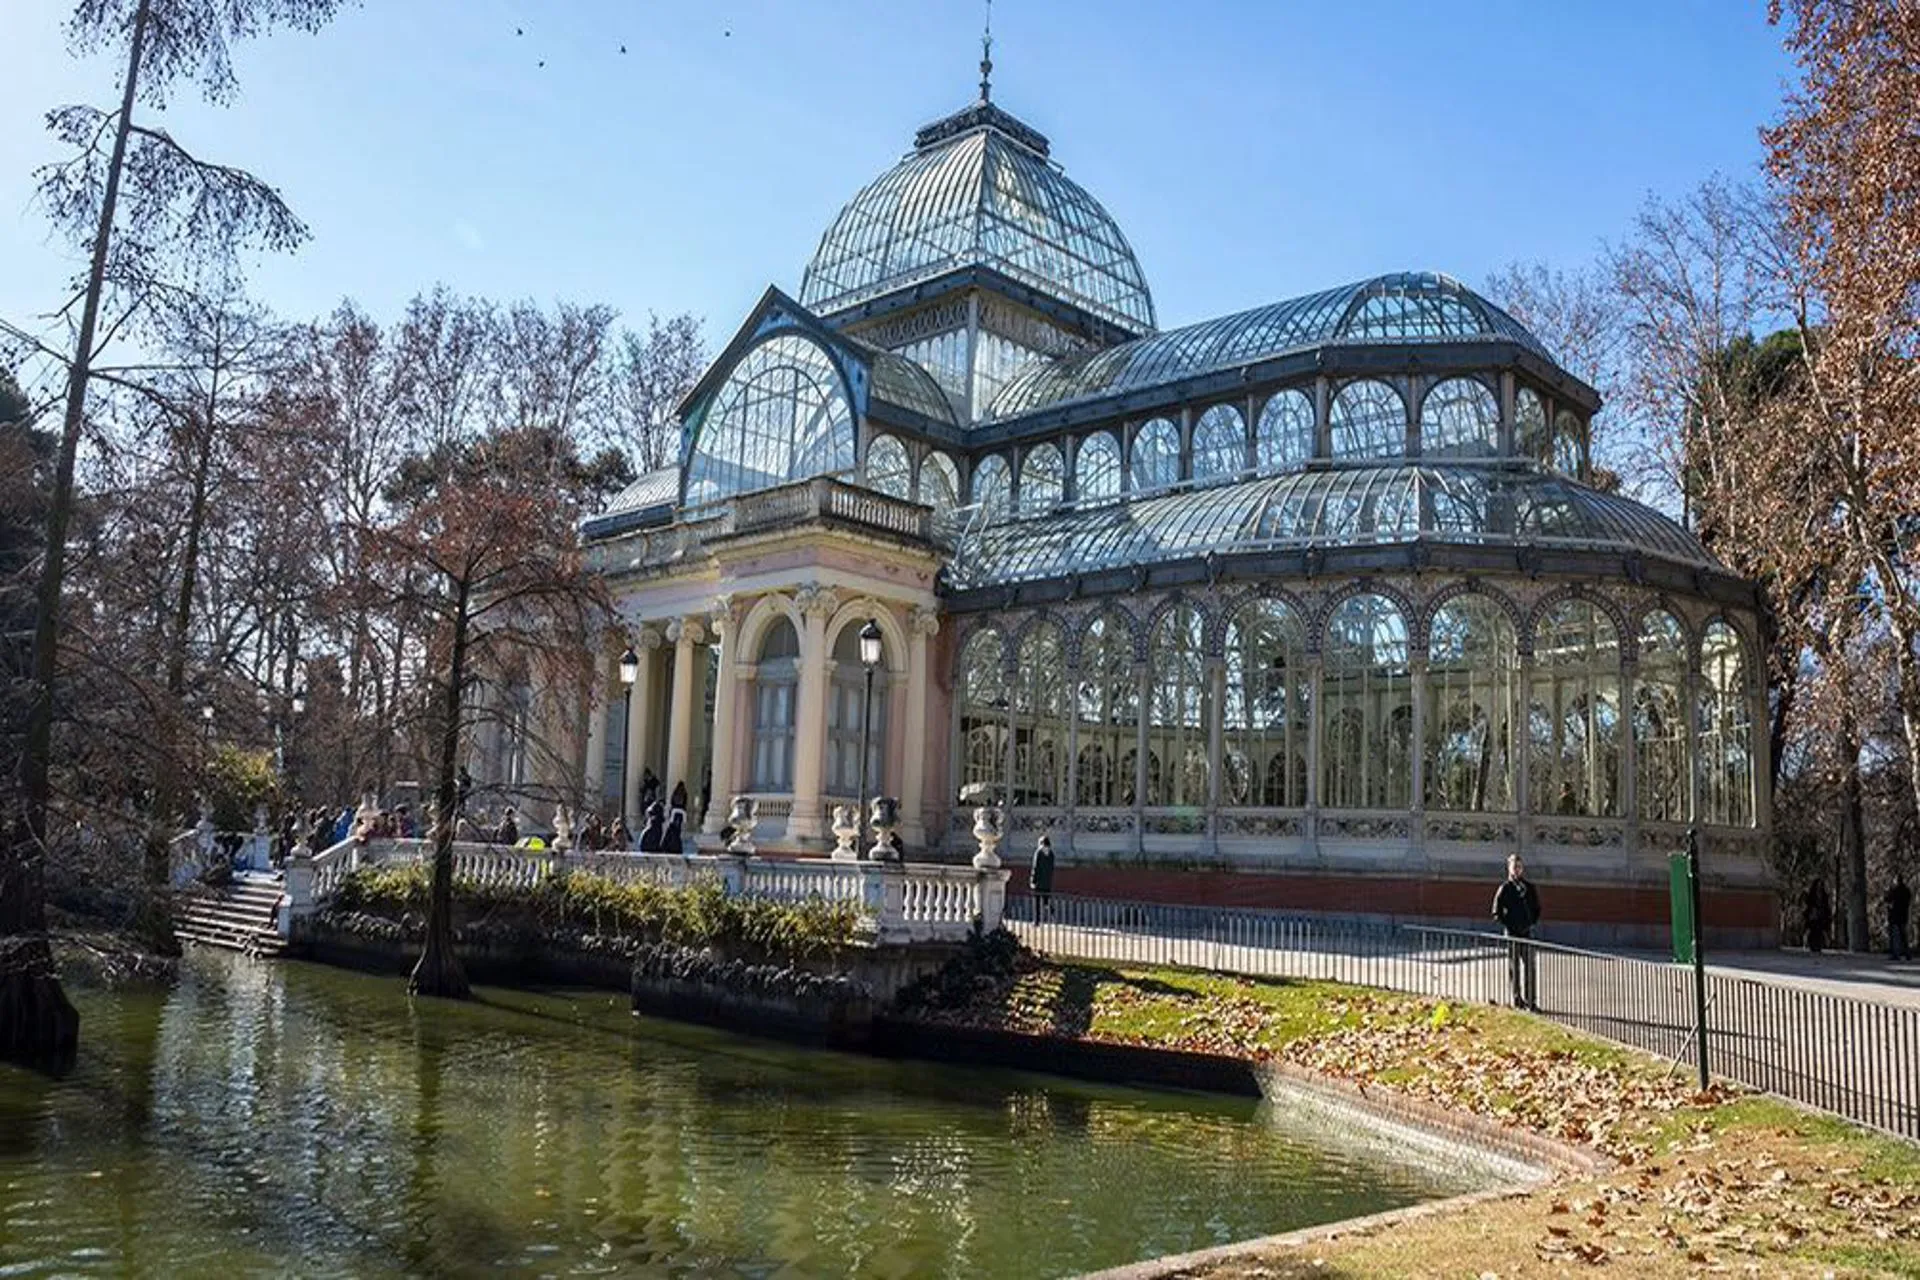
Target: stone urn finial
point(846, 832)
point(989, 828)
point(562, 828)
point(885, 817)
point(742, 817)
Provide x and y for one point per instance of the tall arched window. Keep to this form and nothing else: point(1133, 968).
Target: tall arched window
point(887, 467)
point(1566, 442)
point(1725, 729)
point(1530, 435)
point(1267, 704)
point(1156, 456)
point(846, 703)
point(1471, 663)
point(939, 483)
point(780, 415)
point(993, 487)
point(1366, 708)
point(981, 691)
point(1573, 713)
point(1219, 444)
point(1182, 707)
point(1459, 418)
point(1368, 420)
point(1040, 718)
point(1285, 438)
point(1107, 702)
point(776, 676)
point(1043, 478)
point(1096, 468)
point(1659, 721)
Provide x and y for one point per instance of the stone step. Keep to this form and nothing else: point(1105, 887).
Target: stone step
point(239, 916)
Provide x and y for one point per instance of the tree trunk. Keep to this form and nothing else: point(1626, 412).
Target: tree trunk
point(1853, 827)
point(38, 1026)
point(439, 972)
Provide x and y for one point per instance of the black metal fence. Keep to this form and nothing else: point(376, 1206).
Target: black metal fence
point(1855, 1058)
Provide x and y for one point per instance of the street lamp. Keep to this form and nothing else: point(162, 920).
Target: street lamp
point(206, 720)
point(300, 702)
point(629, 672)
point(869, 658)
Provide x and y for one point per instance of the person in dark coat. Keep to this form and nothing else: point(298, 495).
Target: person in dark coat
point(649, 789)
point(1819, 916)
point(509, 833)
point(655, 828)
point(1516, 905)
point(1899, 902)
point(619, 839)
point(678, 800)
point(1040, 876)
point(670, 838)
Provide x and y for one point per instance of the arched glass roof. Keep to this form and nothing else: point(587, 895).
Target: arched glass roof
point(1343, 507)
point(978, 189)
point(1400, 308)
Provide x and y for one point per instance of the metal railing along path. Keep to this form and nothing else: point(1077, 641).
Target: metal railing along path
point(1852, 1057)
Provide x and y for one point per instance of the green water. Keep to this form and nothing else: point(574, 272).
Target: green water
point(273, 1119)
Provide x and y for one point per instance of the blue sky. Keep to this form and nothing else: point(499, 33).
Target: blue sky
point(1250, 150)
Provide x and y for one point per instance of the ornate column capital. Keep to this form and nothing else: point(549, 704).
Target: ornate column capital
point(688, 630)
point(723, 614)
point(648, 637)
point(813, 599)
point(924, 620)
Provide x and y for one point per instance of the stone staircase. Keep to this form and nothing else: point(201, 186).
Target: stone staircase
point(238, 916)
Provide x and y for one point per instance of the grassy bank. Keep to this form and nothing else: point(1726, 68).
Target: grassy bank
point(1722, 1181)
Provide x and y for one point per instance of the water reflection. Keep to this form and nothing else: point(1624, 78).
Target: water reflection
point(266, 1118)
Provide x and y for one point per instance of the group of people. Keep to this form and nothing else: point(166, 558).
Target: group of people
point(1896, 902)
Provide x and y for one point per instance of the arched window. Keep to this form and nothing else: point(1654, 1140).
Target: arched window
point(1182, 708)
point(1267, 704)
point(1471, 663)
point(1107, 703)
point(1043, 477)
point(846, 703)
point(1366, 708)
point(780, 415)
point(939, 483)
point(1573, 713)
point(1530, 436)
point(981, 690)
point(775, 679)
point(887, 467)
point(1285, 431)
point(1097, 468)
point(1156, 456)
point(1567, 434)
point(1368, 420)
point(1219, 444)
point(1459, 418)
point(1725, 729)
point(993, 487)
point(1659, 723)
point(1040, 718)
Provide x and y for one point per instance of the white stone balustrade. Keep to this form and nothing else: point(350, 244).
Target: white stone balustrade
point(914, 902)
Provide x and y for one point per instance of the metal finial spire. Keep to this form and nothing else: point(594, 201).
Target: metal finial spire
point(986, 57)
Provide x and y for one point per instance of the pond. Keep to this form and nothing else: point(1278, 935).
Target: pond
point(291, 1119)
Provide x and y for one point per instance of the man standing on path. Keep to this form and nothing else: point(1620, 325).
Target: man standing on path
point(1516, 906)
point(1899, 902)
point(1040, 876)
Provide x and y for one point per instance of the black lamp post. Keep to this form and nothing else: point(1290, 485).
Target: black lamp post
point(869, 658)
point(629, 672)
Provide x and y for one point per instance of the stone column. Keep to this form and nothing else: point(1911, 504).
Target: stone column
point(817, 604)
point(725, 693)
point(646, 643)
point(1523, 752)
point(686, 634)
point(922, 623)
point(595, 783)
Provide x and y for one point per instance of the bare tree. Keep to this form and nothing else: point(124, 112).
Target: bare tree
point(137, 199)
point(652, 373)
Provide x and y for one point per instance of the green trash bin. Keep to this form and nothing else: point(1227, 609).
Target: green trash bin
point(1681, 910)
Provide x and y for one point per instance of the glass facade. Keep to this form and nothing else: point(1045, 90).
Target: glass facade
point(782, 414)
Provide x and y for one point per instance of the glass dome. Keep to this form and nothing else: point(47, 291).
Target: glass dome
point(979, 190)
